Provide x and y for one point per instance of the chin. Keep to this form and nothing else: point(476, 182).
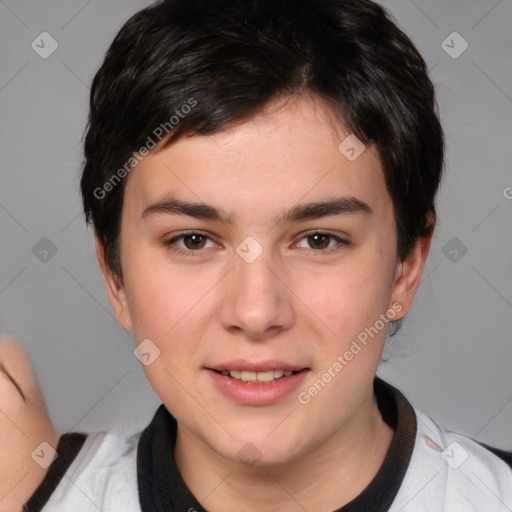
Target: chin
point(257, 451)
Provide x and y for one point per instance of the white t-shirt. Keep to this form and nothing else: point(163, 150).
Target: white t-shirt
point(446, 472)
point(103, 477)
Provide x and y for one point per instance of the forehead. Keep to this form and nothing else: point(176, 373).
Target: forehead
point(288, 153)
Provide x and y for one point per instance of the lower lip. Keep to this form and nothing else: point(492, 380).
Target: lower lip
point(257, 394)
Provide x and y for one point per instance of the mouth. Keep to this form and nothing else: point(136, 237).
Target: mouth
point(261, 377)
point(261, 382)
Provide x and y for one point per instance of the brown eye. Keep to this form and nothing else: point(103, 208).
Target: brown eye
point(194, 241)
point(189, 243)
point(319, 240)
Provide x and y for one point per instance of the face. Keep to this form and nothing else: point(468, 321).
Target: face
point(258, 277)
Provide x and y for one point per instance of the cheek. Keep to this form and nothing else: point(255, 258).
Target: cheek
point(170, 313)
point(349, 299)
point(162, 299)
point(171, 308)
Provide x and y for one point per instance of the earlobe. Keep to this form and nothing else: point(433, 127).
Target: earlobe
point(409, 271)
point(115, 290)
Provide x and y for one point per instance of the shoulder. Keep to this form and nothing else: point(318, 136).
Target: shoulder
point(451, 471)
point(103, 476)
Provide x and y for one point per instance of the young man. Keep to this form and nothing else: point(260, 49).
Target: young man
point(261, 179)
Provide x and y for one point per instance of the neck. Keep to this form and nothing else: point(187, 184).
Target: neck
point(324, 479)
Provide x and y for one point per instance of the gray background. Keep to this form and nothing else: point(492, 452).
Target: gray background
point(454, 353)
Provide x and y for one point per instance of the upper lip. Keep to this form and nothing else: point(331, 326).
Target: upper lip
point(260, 366)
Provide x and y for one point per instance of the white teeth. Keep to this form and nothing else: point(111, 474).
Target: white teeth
point(265, 376)
point(246, 375)
point(259, 377)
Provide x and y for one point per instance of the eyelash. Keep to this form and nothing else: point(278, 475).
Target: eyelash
point(189, 252)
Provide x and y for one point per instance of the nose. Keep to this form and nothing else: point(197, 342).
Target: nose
point(257, 301)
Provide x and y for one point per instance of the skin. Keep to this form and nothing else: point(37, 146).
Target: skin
point(24, 425)
point(293, 303)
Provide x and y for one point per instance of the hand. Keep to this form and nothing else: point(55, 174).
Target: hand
point(24, 425)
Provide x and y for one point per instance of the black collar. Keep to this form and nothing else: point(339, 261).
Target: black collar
point(68, 448)
point(161, 488)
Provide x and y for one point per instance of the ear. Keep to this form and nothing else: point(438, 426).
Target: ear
point(115, 290)
point(409, 271)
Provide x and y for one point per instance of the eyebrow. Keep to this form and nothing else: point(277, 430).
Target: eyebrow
point(300, 212)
